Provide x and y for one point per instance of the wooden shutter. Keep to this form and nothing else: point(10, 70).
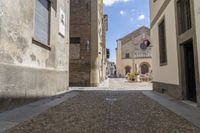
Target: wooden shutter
point(42, 21)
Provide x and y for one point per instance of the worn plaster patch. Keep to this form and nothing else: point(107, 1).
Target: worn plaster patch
point(50, 62)
point(2, 10)
point(33, 57)
point(19, 59)
point(38, 61)
point(5, 57)
point(22, 43)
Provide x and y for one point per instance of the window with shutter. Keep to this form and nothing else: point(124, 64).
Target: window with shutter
point(162, 43)
point(184, 16)
point(42, 21)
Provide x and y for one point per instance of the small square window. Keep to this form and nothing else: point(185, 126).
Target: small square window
point(75, 40)
point(127, 55)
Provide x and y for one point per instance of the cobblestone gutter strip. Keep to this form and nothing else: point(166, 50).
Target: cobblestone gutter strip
point(12, 118)
point(190, 113)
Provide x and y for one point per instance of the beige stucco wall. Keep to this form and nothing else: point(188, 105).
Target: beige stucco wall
point(155, 7)
point(28, 68)
point(19, 30)
point(96, 42)
point(104, 49)
point(168, 73)
point(197, 24)
point(118, 57)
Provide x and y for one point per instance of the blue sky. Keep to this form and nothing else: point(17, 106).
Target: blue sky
point(124, 17)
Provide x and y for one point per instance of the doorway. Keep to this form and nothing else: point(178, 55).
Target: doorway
point(144, 69)
point(127, 69)
point(190, 80)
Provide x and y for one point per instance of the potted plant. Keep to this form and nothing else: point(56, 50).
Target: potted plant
point(137, 75)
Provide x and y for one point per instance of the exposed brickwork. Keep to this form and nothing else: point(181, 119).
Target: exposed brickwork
point(82, 25)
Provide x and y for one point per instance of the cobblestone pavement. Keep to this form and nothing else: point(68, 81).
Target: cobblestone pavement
point(107, 112)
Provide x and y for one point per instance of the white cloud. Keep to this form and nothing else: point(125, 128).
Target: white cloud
point(122, 12)
point(111, 2)
point(141, 17)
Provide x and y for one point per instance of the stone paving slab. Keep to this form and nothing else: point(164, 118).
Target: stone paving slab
point(11, 118)
point(186, 111)
point(105, 83)
point(124, 84)
point(117, 84)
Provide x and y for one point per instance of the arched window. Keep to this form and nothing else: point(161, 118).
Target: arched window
point(144, 68)
point(127, 69)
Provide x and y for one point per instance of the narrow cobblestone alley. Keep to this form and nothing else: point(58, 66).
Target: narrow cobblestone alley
point(99, 66)
point(107, 112)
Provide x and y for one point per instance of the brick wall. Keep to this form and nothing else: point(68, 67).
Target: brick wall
point(80, 26)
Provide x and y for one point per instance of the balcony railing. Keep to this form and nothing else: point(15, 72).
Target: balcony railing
point(142, 54)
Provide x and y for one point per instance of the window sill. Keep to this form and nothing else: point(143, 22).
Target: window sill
point(39, 43)
point(163, 64)
point(127, 58)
